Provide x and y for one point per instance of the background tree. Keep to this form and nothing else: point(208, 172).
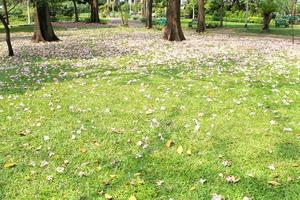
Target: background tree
point(43, 29)
point(69, 8)
point(5, 11)
point(95, 11)
point(285, 7)
point(173, 30)
point(222, 12)
point(268, 7)
point(143, 9)
point(149, 13)
point(201, 16)
point(75, 11)
point(217, 9)
point(7, 31)
point(124, 11)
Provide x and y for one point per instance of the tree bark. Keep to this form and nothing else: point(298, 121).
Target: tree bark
point(201, 17)
point(7, 31)
point(173, 30)
point(95, 11)
point(266, 21)
point(75, 11)
point(149, 13)
point(5, 11)
point(222, 14)
point(144, 8)
point(43, 29)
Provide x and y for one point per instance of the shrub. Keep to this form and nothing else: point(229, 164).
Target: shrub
point(67, 10)
point(17, 12)
point(124, 10)
point(256, 20)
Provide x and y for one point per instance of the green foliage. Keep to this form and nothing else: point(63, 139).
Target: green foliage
point(104, 10)
point(256, 20)
point(17, 12)
point(63, 9)
point(124, 11)
point(67, 10)
point(268, 6)
point(160, 12)
point(136, 7)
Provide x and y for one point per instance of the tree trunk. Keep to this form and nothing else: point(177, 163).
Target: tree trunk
point(149, 13)
point(7, 31)
point(222, 14)
point(266, 21)
point(113, 8)
point(95, 11)
point(144, 8)
point(43, 29)
point(201, 17)
point(294, 8)
point(173, 30)
point(294, 12)
point(5, 11)
point(76, 11)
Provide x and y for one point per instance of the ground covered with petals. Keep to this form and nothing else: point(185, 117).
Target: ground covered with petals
point(119, 113)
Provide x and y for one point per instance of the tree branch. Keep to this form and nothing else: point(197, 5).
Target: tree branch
point(12, 7)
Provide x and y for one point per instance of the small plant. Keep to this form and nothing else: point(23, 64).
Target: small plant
point(124, 10)
point(105, 10)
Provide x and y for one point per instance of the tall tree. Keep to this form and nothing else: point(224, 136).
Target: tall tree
point(173, 30)
point(7, 31)
point(201, 17)
point(268, 7)
point(293, 13)
point(75, 11)
point(222, 13)
point(43, 29)
point(95, 11)
point(149, 13)
point(5, 11)
point(143, 9)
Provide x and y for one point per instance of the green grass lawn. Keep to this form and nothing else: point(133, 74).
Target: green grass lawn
point(19, 25)
point(252, 28)
point(119, 113)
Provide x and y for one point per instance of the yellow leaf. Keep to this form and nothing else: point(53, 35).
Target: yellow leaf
point(140, 181)
point(295, 165)
point(95, 142)
point(274, 183)
point(137, 174)
point(132, 198)
point(169, 143)
point(9, 165)
point(113, 176)
point(82, 150)
point(25, 132)
point(106, 182)
point(193, 188)
point(180, 149)
point(107, 196)
point(189, 152)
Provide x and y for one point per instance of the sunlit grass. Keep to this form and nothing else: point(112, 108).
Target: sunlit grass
point(85, 127)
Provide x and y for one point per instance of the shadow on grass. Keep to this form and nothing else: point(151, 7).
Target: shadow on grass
point(58, 27)
point(257, 187)
point(19, 81)
point(288, 150)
